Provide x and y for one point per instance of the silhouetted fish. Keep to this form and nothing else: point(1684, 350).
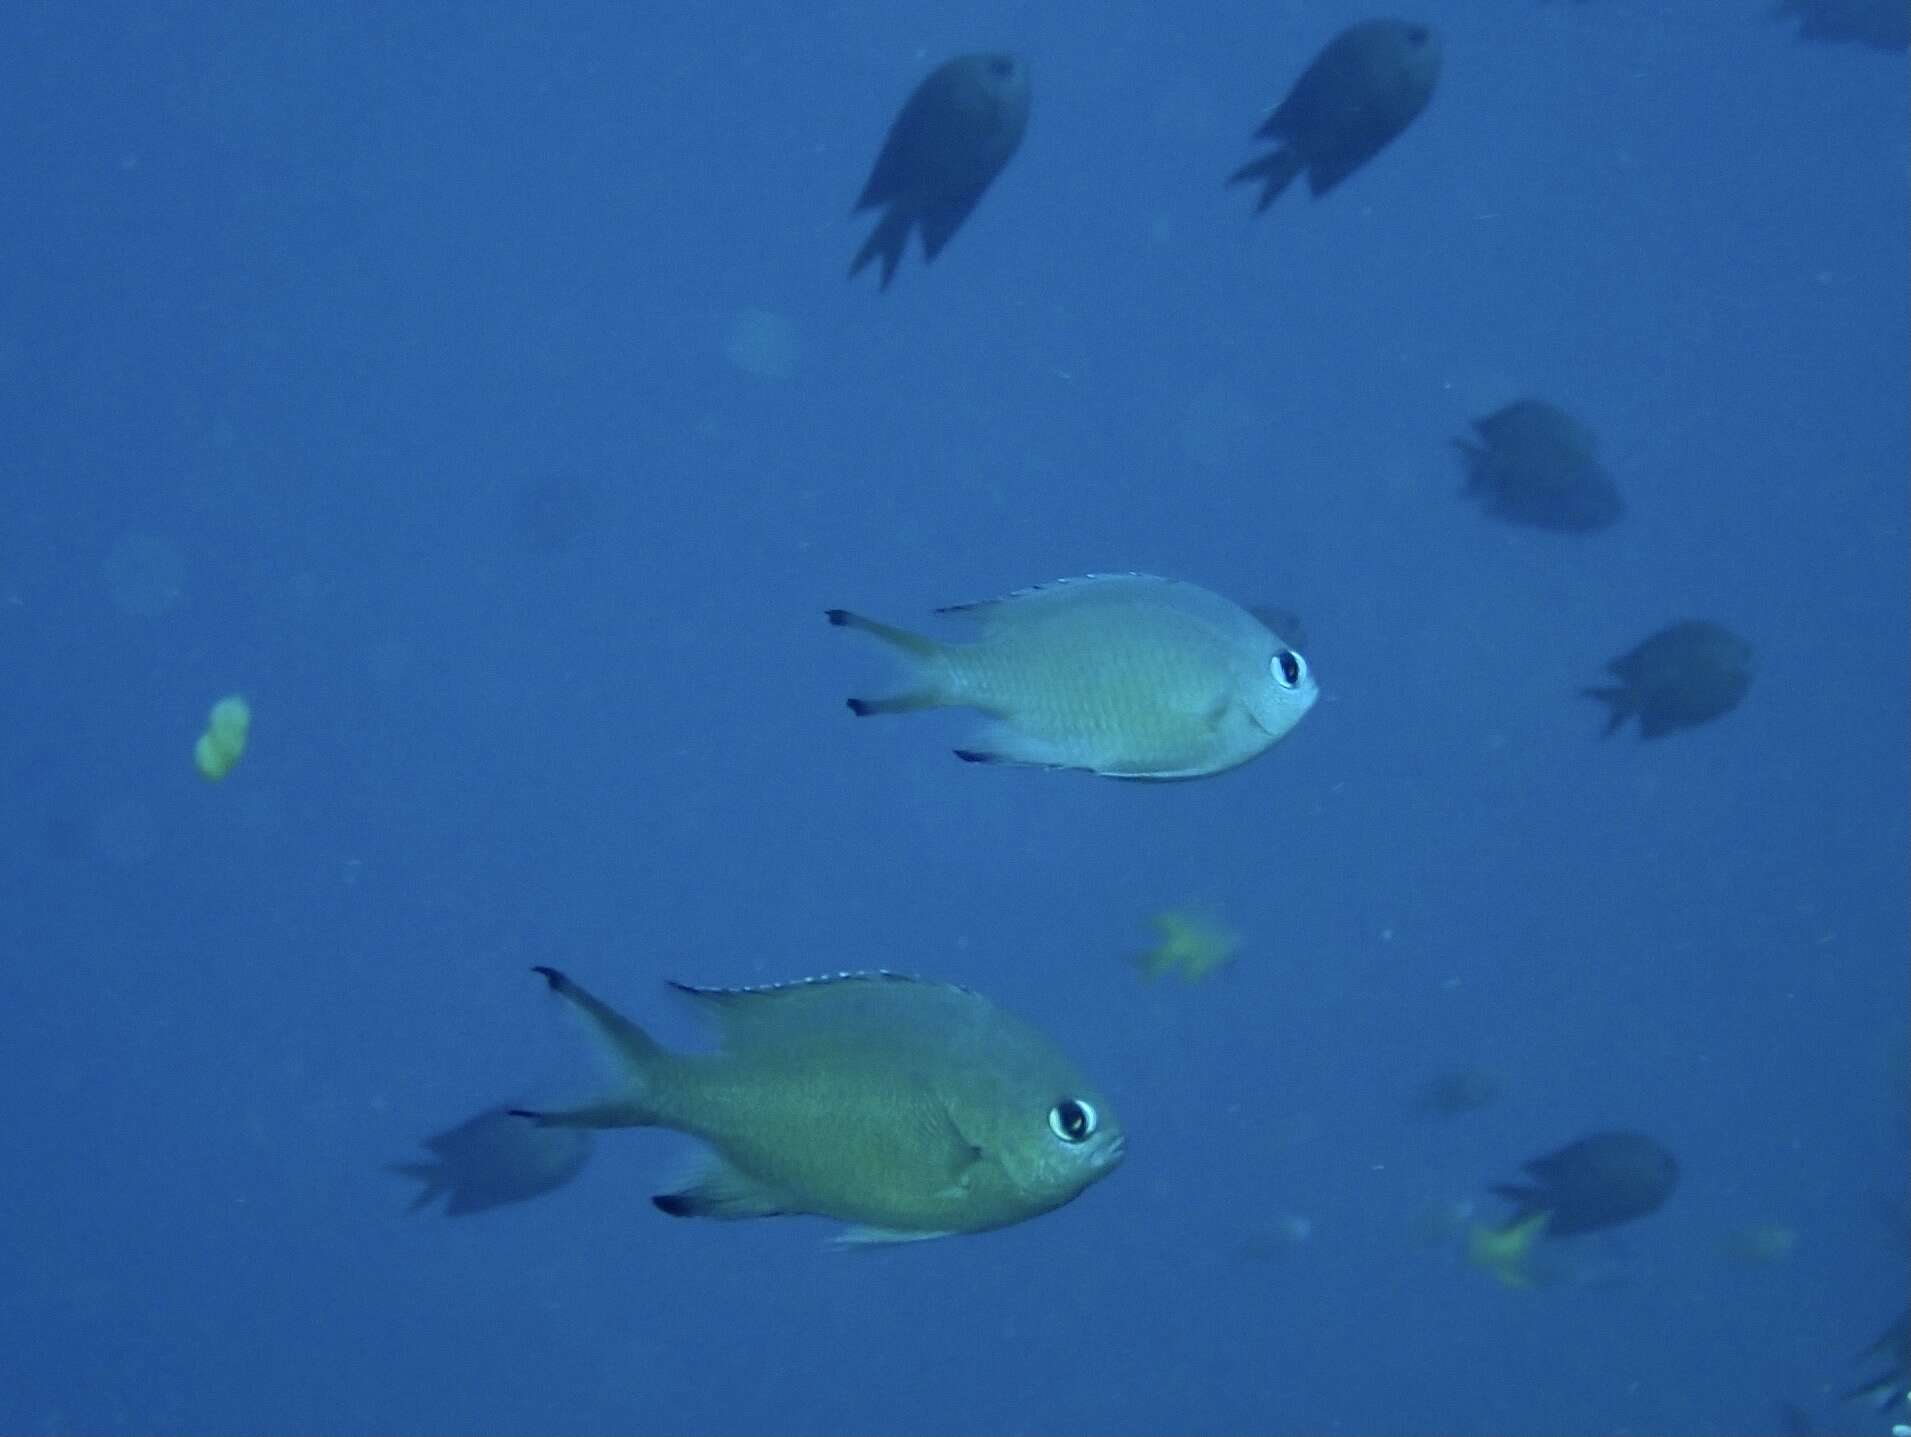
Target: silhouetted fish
point(1598, 1182)
point(1361, 91)
point(1881, 24)
point(951, 140)
point(496, 1158)
point(1535, 464)
point(1683, 675)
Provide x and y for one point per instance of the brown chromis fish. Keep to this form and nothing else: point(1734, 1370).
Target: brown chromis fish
point(1125, 675)
point(1533, 463)
point(1348, 105)
point(1684, 675)
point(954, 135)
point(909, 1108)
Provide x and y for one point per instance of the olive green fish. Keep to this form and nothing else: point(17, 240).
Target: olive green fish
point(909, 1108)
point(1125, 675)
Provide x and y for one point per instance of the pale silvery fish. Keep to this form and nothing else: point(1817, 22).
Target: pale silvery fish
point(1126, 675)
point(909, 1108)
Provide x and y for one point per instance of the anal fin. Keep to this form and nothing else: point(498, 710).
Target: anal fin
point(863, 1238)
point(716, 1189)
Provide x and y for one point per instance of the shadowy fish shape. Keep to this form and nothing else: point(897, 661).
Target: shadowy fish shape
point(1457, 1091)
point(954, 135)
point(1360, 92)
point(1880, 24)
point(496, 1158)
point(909, 1108)
point(1598, 1182)
point(1125, 675)
point(1888, 1389)
point(1683, 675)
point(1535, 464)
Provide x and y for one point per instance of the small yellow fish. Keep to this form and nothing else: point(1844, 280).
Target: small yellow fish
point(1506, 1252)
point(1188, 945)
point(1124, 675)
point(224, 741)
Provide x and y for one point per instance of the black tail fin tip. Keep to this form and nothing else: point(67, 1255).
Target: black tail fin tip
point(676, 1204)
point(862, 708)
point(528, 1114)
point(550, 975)
point(838, 617)
point(976, 755)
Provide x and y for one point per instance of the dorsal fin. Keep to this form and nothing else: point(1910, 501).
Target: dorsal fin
point(829, 1005)
point(1079, 581)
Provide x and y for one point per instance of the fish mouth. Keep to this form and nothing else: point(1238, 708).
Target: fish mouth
point(1112, 1153)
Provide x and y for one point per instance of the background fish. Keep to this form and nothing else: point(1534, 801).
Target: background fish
point(912, 1109)
point(1880, 24)
point(1360, 92)
point(1683, 675)
point(1536, 464)
point(953, 137)
point(1598, 1182)
point(496, 1158)
point(1126, 675)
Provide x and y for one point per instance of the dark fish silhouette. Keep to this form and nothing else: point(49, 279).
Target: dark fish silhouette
point(1361, 91)
point(951, 140)
point(1461, 1090)
point(1881, 24)
point(1533, 463)
point(1598, 1182)
point(496, 1158)
point(1888, 1389)
point(1683, 675)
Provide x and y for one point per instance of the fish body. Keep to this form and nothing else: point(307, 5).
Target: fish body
point(1533, 463)
point(910, 1108)
point(1598, 1182)
point(496, 1158)
point(1686, 674)
point(955, 133)
point(1125, 675)
point(1360, 92)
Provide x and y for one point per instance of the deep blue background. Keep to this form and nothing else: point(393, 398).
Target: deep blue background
point(310, 297)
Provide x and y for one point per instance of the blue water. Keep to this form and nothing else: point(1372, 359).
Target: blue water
point(306, 307)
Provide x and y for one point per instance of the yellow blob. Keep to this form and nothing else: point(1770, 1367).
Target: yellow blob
point(224, 741)
point(1761, 1244)
point(1504, 1251)
point(1186, 944)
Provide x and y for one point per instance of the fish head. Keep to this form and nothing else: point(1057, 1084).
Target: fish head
point(1040, 1156)
point(1280, 690)
point(1002, 82)
point(1416, 53)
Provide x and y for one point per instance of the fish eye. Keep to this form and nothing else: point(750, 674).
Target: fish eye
point(1288, 668)
point(1072, 1120)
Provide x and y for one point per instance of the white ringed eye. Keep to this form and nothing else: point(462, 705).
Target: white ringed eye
point(1072, 1120)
